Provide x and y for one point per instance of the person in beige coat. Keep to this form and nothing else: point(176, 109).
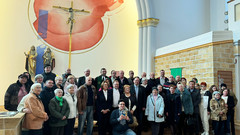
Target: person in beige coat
point(34, 120)
point(218, 113)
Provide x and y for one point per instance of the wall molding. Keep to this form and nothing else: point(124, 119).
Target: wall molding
point(196, 47)
point(148, 22)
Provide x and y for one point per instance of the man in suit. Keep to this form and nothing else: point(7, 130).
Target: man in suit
point(196, 99)
point(116, 94)
point(139, 91)
point(131, 77)
point(122, 80)
point(113, 77)
point(162, 79)
point(81, 80)
point(104, 107)
point(152, 82)
point(101, 78)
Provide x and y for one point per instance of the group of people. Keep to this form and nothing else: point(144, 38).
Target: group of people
point(120, 105)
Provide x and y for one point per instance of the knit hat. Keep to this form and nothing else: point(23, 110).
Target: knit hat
point(216, 92)
point(223, 84)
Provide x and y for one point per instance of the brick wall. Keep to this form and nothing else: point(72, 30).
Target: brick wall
point(202, 62)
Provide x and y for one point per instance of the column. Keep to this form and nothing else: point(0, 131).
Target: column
point(237, 76)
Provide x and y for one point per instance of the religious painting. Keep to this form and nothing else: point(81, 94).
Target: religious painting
point(72, 25)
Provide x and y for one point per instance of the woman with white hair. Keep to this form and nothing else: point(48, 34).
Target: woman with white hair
point(71, 98)
point(39, 79)
point(59, 111)
point(58, 83)
point(70, 80)
point(34, 120)
point(144, 83)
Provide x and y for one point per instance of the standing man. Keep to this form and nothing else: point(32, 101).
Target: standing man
point(122, 80)
point(65, 76)
point(113, 77)
point(101, 78)
point(47, 74)
point(46, 95)
point(86, 96)
point(167, 84)
point(152, 82)
point(131, 77)
point(81, 80)
point(116, 94)
point(139, 92)
point(196, 99)
point(162, 79)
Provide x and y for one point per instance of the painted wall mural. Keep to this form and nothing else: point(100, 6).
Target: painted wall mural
point(51, 21)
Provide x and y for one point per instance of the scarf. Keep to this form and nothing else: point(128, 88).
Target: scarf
point(60, 99)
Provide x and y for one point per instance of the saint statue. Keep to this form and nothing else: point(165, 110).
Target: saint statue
point(31, 61)
point(48, 58)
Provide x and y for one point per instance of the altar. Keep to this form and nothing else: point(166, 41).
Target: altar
point(10, 124)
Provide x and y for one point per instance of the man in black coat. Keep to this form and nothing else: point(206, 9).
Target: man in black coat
point(46, 95)
point(101, 78)
point(47, 74)
point(152, 82)
point(196, 99)
point(122, 80)
point(82, 79)
point(139, 92)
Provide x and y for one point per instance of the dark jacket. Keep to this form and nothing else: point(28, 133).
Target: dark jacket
point(173, 107)
point(152, 83)
point(141, 98)
point(57, 112)
point(11, 96)
point(102, 103)
point(121, 84)
point(117, 127)
point(46, 95)
point(196, 99)
point(98, 81)
point(126, 100)
point(186, 101)
point(209, 94)
point(230, 103)
point(158, 80)
point(166, 86)
point(164, 96)
point(48, 76)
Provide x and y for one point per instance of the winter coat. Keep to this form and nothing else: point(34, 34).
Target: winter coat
point(57, 112)
point(152, 113)
point(216, 108)
point(186, 101)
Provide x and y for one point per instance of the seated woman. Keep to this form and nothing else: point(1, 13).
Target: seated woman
point(218, 113)
point(71, 99)
point(34, 120)
point(59, 111)
point(155, 110)
point(120, 118)
point(130, 100)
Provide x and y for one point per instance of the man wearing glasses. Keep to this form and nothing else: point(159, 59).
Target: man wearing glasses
point(120, 118)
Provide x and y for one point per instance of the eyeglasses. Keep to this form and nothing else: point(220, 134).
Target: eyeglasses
point(121, 104)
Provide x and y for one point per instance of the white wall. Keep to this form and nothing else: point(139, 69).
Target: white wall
point(117, 51)
point(217, 15)
point(234, 25)
point(180, 20)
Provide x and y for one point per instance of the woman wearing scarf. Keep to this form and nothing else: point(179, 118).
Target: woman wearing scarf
point(71, 99)
point(218, 113)
point(155, 110)
point(59, 111)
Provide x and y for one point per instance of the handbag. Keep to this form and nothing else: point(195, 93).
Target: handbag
point(135, 123)
point(190, 120)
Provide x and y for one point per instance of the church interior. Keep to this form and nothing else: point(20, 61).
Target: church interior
point(190, 38)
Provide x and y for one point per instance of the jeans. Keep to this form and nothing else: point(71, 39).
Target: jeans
point(128, 132)
point(35, 132)
point(230, 122)
point(87, 115)
point(68, 129)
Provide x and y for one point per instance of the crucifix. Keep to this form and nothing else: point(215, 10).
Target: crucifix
point(71, 20)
